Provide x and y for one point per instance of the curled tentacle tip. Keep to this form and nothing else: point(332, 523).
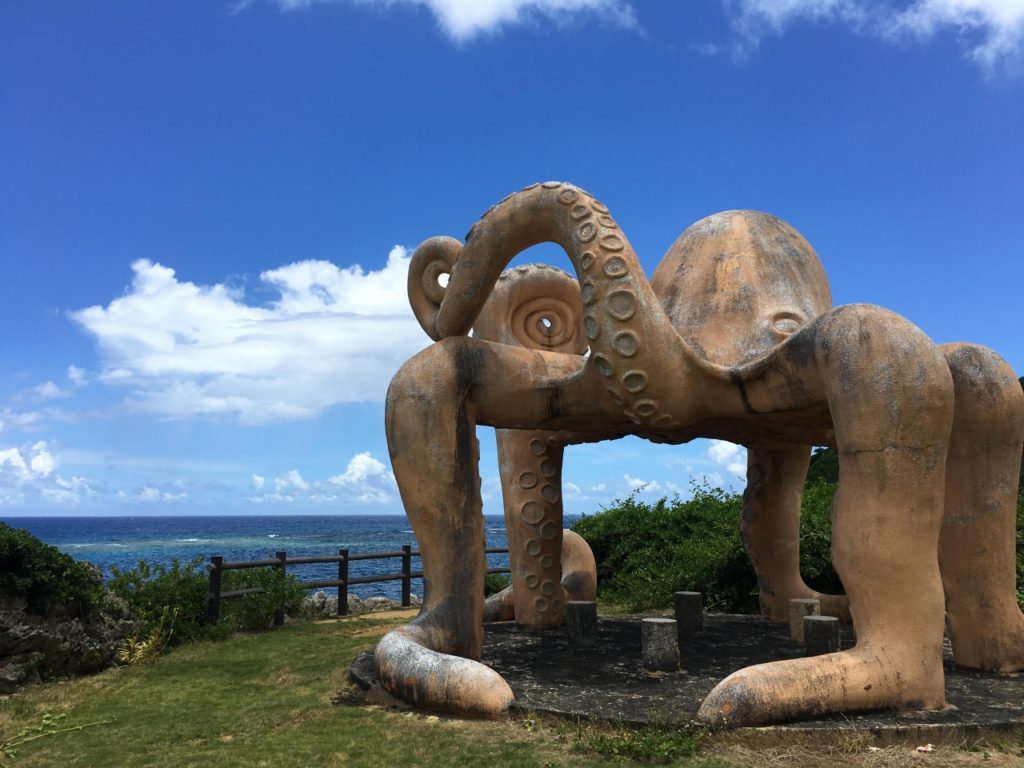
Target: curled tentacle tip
point(439, 681)
point(732, 704)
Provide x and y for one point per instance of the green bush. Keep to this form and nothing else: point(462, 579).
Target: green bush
point(172, 599)
point(495, 582)
point(256, 611)
point(44, 575)
point(645, 552)
point(154, 592)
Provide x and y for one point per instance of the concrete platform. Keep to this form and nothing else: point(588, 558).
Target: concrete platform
point(609, 682)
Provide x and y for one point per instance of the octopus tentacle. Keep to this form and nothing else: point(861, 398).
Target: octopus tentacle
point(625, 325)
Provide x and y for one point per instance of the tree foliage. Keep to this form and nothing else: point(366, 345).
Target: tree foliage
point(44, 575)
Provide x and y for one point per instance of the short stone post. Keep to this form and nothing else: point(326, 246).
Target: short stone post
point(581, 621)
point(660, 644)
point(797, 610)
point(821, 635)
point(689, 615)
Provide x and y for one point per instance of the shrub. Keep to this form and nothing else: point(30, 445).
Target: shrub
point(170, 600)
point(494, 583)
point(256, 611)
point(43, 575)
point(645, 552)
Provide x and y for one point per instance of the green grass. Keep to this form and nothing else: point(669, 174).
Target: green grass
point(267, 700)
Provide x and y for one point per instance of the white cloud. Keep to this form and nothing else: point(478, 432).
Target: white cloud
point(290, 481)
point(333, 335)
point(28, 476)
point(76, 375)
point(151, 495)
point(462, 20)
point(69, 492)
point(26, 420)
point(49, 391)
point(991, 31)
point(730, 456)
point(366, 480)
point(642, 486)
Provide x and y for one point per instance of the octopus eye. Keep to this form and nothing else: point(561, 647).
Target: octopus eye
point(787, 323)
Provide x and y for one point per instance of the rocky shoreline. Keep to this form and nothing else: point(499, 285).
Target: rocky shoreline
point(320, 605)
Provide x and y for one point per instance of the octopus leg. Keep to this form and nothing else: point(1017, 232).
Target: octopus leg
point(531, 483)
point(976, 549)
point(433, 406)
point(891, 400)
point(770, 525)
point(579, 579)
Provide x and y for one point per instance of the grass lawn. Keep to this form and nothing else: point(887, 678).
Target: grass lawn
point(283, 699)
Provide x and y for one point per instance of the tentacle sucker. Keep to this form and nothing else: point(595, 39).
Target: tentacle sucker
point(625, 326)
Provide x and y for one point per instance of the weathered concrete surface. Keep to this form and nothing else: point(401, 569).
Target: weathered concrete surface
point(609, 682)
point(733, 337)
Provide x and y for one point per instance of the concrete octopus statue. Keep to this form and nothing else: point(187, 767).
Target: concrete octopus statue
point(734, 338)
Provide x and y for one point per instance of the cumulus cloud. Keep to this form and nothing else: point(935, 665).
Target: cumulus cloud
point(462, 20)
point(76, 375)
point(290, 481)
point(331, 335)
point(367, 480)
point(991, 31)
point(730, 456)
point(28, 476)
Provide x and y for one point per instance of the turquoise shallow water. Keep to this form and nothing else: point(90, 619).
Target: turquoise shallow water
point(123, 541)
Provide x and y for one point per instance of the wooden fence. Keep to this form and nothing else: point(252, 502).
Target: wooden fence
point(282, 562)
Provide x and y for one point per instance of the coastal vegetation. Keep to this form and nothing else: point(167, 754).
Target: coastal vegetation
point(171, 600)
point(645, 551)
point(43, 575)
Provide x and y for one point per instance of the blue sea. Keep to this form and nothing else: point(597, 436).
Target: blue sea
point(122, 541)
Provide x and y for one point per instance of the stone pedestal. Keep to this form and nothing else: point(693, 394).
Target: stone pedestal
point(797, 610)
point(581, 622)
point(660, 644)
point(689, 614)
point(821, 634)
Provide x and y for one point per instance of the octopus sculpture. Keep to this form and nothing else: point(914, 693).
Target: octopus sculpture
point(733, 338)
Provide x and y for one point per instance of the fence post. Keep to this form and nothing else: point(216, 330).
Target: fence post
point(343, 582)
point(213, 593)
point(282, 564)
point(406, 575)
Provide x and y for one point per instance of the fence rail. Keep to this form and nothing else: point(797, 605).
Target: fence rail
point(281, 562)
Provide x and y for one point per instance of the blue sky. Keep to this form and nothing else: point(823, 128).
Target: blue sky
point(207, 209)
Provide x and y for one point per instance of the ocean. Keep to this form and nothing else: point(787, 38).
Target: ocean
point(121, 542)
